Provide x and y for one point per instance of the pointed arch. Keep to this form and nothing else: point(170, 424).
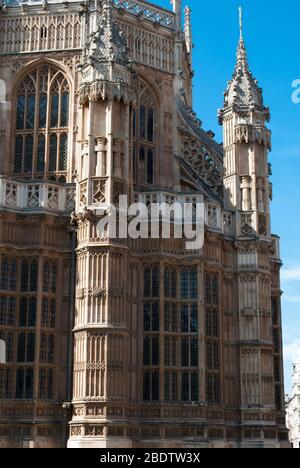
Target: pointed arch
point(145, 134)
point(41, 121)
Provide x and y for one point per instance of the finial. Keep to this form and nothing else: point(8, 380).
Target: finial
point(241, 21)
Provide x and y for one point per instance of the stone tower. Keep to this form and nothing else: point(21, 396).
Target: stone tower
point(124, 342)
point(247, 192)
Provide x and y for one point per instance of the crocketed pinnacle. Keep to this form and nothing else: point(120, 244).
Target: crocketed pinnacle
point(243, 90)
point(108, 42)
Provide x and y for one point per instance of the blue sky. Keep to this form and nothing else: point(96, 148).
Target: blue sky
point(271, 33)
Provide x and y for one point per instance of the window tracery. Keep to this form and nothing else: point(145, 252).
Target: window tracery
point(41, 123)
point(144, 138)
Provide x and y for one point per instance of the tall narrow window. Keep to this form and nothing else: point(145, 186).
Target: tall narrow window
point(212, 333)
point(144, 124)
point(42, 123)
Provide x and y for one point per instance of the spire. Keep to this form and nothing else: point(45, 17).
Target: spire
point(188, 29)
point(241, 22)
point(243, 90)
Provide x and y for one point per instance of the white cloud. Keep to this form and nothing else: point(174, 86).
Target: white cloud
point(291, 274)
point(291, 351)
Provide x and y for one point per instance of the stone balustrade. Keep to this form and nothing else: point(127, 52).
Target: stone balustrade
point(36, 196)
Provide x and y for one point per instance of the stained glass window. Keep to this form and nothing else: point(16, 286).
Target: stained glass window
point(44, 92)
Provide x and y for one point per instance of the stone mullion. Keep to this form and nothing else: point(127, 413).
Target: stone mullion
point(48, 125)
point(36, 123)
point(109, 153)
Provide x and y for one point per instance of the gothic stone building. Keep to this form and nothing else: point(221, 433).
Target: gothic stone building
point(293, 409)
point(131, 343)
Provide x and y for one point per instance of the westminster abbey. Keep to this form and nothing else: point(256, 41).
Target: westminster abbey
point(116, 342)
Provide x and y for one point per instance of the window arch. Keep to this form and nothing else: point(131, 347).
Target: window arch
point(41, 124)
point(144, 137)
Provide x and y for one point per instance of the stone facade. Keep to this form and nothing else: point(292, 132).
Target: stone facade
point(293, 409)
point(131, 343)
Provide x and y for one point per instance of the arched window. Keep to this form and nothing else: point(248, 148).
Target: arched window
point(42, 123)
point(144, 138)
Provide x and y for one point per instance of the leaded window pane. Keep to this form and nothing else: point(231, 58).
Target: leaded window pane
point(43, 110)
point(194, 387)
point(34, 95)
point(150, 125)
point(194, 318)
point(30, 112)
point(53, 153)
point(48, 313)
point(185, 386)
point(8, 276)
point(64, 110)
point(18, 155)
point(155, 282)
point(54, 110)
point(142, 122)
point(7, 311)
point(184, 318)
point(63, 152)
point(27, 312)
point(184, 281)
point(147, 282)
point(40, 165)
point(150, 166)
point(28, 154)
point(20, 112)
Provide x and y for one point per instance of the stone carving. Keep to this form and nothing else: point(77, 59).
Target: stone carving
point(105, 69)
